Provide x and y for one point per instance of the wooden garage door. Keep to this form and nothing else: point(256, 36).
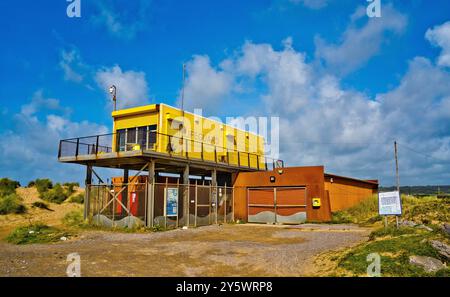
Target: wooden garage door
point(277, 205)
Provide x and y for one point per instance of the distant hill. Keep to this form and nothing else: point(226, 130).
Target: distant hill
point(419, 190)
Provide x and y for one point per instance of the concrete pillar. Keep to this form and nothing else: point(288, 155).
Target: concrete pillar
point(186, 196)
point(151, 193)
point(87, 183)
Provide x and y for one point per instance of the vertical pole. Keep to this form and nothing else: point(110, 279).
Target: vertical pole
point(165, 203)
point(275, 202)
point(125, 192)
point(77, 148)
point(232, 204)
point(195, 211)
point(186, 195)
point(96, 145)
point(150, 193)
point(214, 190)
point(225, 204)
point(88, 183)
point(178, 213)
point(397, 177)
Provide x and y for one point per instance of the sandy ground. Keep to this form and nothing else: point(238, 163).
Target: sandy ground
point(227, 250)
point(33, 215)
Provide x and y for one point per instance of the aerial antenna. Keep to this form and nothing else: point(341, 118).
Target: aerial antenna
point(182, 89)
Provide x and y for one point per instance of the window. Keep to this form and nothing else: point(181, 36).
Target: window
point(136, 138)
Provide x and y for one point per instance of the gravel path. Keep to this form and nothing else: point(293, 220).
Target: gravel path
point(228, 250)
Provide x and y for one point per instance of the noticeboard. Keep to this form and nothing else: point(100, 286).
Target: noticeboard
point(171, 202)
point(389, 203)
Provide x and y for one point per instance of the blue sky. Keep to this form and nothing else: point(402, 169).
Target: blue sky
point(344, 85)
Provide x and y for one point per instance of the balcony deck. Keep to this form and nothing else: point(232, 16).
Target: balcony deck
point(94, 151)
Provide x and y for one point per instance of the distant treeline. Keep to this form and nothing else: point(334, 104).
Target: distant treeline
point(419, 190)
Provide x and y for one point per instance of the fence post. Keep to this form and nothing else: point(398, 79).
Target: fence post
point(77, 148)
point(96, 145)
point(59, 149)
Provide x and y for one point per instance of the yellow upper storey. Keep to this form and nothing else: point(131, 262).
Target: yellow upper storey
point(166, 129)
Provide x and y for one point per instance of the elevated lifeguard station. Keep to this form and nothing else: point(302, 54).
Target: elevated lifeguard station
point(157, 139)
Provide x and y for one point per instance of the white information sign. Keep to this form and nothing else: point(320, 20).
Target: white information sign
point(389, 203)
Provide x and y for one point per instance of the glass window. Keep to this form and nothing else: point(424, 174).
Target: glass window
point(121, 139)
point(131, 135)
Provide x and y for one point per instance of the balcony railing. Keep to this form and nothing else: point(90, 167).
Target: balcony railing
point(163, 143)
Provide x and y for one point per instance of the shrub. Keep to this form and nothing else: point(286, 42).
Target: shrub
point(31, 184)
point(55, 195)
point(40, 204)
point(71, 187)
point(8, 186)
point(11, 204)
point(36, 233)
point(79, 198)
point(43, 185)
point(74, 219)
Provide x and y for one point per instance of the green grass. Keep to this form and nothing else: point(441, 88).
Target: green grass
point(74, 219)
point(8, 186)
point(365, 212)
point(423, 210)
point(78, 198)
point(36, 233)
point(11, 203)
point(395, 246)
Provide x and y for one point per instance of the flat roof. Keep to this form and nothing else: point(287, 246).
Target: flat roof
point(372, 182)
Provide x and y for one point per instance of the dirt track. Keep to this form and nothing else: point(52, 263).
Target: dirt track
point(228, 250)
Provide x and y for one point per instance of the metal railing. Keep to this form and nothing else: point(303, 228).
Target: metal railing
point(163, 143)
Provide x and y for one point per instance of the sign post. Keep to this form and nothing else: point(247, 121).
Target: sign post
point(389, 204)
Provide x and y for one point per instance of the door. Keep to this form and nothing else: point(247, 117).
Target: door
point(285, 205)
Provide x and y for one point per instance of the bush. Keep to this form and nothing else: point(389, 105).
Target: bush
point(55, 195)
point(11, 204)
point(36, 233)
point(79, 198)
point(31, 184)
point(8, 186)
point(74, 219)
point(40, 204)
point(43, 185)
point(71, 187)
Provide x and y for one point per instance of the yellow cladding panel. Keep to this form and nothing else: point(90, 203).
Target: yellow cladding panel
point(199, 134)
point(137, 120)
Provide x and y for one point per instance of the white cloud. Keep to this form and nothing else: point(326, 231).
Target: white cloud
point(359, 44)
point(312, 4)
point(122, 23)
point(29, 149)
point(205, 86)
point(350, 133)
point(70, 63)
point(440, 36)
point(132, 88)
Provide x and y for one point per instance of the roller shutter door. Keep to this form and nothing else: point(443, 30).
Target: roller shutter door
point(286, 205)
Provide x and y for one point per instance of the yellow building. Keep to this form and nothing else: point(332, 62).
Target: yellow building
point(168, 130)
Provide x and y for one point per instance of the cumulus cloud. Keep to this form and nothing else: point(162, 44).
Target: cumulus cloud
point(132, 88)
point(71, 65)
point(29, 149)
point(440, 36)
point(359, 43)
point(321, 122)
point(122, 23)
point(312, 4)
point(205, 86)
